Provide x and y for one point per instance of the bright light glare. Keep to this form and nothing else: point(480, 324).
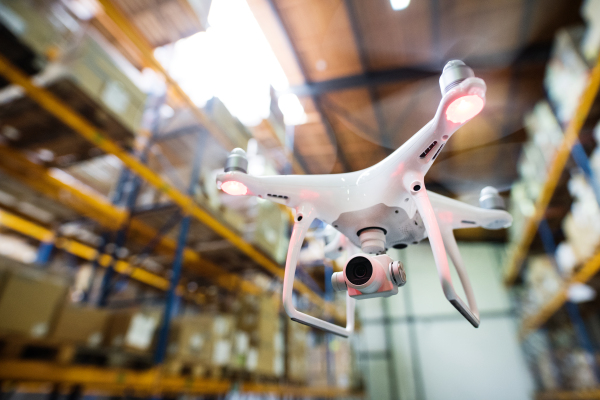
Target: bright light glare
point(234, 188)
point(290, 106)
point(464, 108)
point(399, 4)
point(232, 60)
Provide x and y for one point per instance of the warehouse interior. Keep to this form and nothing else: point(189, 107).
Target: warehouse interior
point(129, 270)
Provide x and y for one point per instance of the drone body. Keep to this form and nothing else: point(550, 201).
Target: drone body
point(383, 206)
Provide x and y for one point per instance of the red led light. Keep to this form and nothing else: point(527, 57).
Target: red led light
point(464, 108)
point(234, 188)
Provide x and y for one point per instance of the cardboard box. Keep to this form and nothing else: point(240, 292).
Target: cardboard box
point(223, 332)
point(191, 339)
point(133, 329)
point(29, 302)
point(82, 325)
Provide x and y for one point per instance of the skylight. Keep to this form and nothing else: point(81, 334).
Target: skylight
point(233, 61)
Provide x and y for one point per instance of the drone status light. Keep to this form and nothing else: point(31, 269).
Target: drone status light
point(234, 188)
point(464, 108)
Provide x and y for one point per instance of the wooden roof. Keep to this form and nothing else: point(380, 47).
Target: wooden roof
point(368, 78)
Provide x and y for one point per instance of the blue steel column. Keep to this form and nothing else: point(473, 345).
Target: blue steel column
point(572, 309)
point(582, 161)
point(117, 198)
point(44, 253)
point(171, 301)
point(130, 199)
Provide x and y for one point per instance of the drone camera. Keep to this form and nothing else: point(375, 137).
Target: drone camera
point(367, 276)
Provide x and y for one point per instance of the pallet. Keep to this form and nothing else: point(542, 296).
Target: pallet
point(185, 368)
point(20, 348)
point(37, 349)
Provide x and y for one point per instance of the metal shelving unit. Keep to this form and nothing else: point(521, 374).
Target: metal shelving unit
point(117, 218)
point(187, 205)
point(566, 395)
point(146, 383)
point(535, 321)
point(519, 251)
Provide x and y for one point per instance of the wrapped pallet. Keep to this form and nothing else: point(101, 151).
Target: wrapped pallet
point(190, 344)
point(543, 279)
point(133, 329)
point(270, 347)
point(30, 301)
point(223, 335)
point(297, 336)
point(566, 73)
point(81, 325)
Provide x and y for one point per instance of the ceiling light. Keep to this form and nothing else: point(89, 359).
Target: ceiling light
point(399, 4)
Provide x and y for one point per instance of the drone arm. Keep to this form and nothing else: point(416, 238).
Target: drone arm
point(454, 253)
point(304, 217)
point(441, 261)
point(425, 145)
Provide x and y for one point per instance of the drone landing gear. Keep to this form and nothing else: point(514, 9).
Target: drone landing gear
point(437, 238)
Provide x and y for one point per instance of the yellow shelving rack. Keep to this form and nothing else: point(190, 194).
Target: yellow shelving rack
point(70, 118)
point(586, 273)
point(569, 395)
point(519, 252)
point(150, 382)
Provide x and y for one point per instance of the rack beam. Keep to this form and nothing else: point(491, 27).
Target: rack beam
point(72, 119)
point(520, 250)
point(535, 321)
point(591, 394)
point(150, 382)
point(34, 231)
point(111, 217)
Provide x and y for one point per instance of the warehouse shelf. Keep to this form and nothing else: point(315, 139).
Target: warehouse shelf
point(111, 217)
point(592, 394)
point(153, 381)
point(34, 231)
point(186, 203)
point(114, 21)
point(520, 249)
point(587, 272)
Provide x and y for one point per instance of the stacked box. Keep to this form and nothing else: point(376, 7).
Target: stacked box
point(133, 329)
point(29, 302)
point(317, 375)
point(581, 226)
point(343, 362)
point(106, 77)
point(590, 45)
point(543, 279)
point(235, 130)
point(223, 331)
point(271, 230)
point(297, 354)
point(270, 348)
point(544, 131)
point(191, 339)
point(566, 73)
point(81, 325)
point(243, 356)
point(34, 24)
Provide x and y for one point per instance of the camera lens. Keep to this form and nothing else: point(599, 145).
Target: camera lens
point(359, 270)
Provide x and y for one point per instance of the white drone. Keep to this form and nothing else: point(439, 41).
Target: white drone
point(383, 206)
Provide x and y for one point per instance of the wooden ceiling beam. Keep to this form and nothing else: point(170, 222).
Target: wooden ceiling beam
point(324, 118)
point(530, 55)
